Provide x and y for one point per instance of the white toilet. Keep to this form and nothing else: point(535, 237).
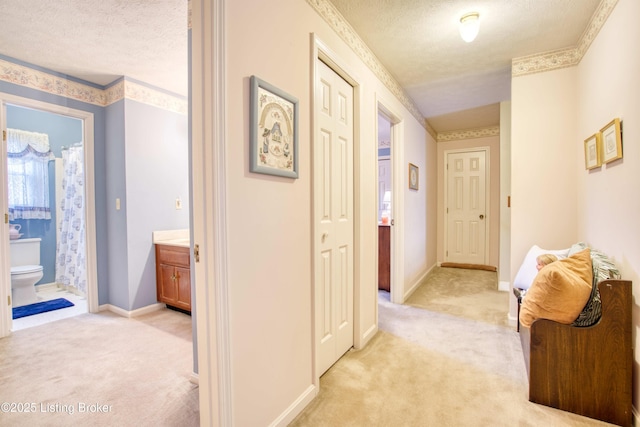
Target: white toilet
point(26, 271)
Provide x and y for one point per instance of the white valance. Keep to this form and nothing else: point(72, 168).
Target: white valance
point(20, 140)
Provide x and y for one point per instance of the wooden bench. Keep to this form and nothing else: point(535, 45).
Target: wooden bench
point(585, 370)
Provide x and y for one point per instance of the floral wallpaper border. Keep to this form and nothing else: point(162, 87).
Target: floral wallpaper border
point(468, 134)
point(57, 85)
point(568, 57)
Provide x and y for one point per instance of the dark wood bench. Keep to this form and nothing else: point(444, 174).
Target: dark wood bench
point(585, 370)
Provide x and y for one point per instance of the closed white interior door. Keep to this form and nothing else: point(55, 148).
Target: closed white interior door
point(333, 217)
point(465, 213)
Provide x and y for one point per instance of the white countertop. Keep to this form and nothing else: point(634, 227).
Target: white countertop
point(172, 237)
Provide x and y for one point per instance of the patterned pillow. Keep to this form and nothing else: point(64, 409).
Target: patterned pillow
point(603, 269)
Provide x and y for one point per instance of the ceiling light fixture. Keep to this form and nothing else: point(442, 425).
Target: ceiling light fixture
point(469, 26)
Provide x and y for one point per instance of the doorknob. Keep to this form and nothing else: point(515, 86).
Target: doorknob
point(481, 216)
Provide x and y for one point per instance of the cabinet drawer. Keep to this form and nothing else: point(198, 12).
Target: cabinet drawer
point(173, 255)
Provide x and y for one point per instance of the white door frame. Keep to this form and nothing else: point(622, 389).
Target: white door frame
point(90, 223)
point(208, 213)
point(396, 294)
point(487, 177)
point(320, 51)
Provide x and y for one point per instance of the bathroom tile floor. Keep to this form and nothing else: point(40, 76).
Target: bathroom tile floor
point(48, 293)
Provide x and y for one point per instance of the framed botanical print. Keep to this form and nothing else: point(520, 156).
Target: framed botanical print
point(413, 176)
point(611, 141)
point(592, 158)
point(274, 130)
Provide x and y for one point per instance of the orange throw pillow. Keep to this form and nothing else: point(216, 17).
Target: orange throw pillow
point(559, 291)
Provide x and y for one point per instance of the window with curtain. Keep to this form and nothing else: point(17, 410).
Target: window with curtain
point(28, 174)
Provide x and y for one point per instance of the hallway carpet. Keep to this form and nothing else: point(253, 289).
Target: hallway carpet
point(100, 370)
point(446, 358)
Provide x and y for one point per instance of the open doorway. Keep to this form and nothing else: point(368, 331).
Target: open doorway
point(385, 193)
point(48, 152)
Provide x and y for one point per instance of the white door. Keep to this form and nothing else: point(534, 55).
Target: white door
point(333, 216)
point(465, 213)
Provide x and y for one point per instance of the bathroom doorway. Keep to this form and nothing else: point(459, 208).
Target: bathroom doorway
point(65, 227)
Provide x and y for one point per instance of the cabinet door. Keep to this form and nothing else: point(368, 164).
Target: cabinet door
point(183, 298)
point(167, 291)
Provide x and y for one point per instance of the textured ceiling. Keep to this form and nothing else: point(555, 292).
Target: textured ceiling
point(101, 40)
point(419, 44)
point(454, 84)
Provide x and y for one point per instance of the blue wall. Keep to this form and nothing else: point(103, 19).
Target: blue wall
point(141, 157)
point(62, 131)
point(99, 168)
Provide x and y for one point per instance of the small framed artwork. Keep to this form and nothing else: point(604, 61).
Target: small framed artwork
point(413, 177)
point(592, 150)
point(611, 141)
point(274, 130)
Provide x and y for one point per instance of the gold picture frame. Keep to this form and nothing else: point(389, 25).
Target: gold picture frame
point(592, 149)
point(413, 176)
point(611, 141)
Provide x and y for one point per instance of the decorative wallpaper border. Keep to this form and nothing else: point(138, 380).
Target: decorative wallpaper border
point(340, 25)
point(50, 83)
point(468, 134)
point(568, 57)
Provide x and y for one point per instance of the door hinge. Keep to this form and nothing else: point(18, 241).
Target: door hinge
point(196, 252)
point(6, 218)
point(4, 135)
point(8, 299)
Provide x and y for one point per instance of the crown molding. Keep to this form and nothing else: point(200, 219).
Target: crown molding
point(342, 28)
point(569, 57)
point(457, 135)
point(54, 84)
point(431, 131)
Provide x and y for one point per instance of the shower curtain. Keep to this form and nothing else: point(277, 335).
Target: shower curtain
point(70, 250)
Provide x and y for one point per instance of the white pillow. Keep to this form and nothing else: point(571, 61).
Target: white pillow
point(528, 270)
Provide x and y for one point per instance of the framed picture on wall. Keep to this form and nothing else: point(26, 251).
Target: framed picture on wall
point(413, 176)
point(592, 158)
point(274, 130)
point(611, 141)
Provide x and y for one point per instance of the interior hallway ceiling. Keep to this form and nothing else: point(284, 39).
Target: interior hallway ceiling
point(455, 85)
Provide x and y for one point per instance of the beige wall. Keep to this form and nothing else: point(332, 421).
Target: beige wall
point(493, 214)
point(269, 218)
point(555, 201)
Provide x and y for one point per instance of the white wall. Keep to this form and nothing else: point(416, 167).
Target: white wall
point(504, 270)
point(608, 86)
point(555, 200)
point(269, 218)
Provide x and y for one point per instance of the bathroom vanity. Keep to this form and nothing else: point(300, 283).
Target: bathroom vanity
point(173, 269)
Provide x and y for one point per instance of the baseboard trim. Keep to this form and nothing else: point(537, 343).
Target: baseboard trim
point(416, 283)
point(367, 336)
point(133, 313)
point(513, 321)
point(194, 378)
point(296, 407)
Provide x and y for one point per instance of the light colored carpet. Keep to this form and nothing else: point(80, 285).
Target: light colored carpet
point(100, 370)
point(446, 358)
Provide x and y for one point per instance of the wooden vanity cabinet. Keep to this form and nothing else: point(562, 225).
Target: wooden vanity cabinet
point(384, 257)
point(173, 276)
